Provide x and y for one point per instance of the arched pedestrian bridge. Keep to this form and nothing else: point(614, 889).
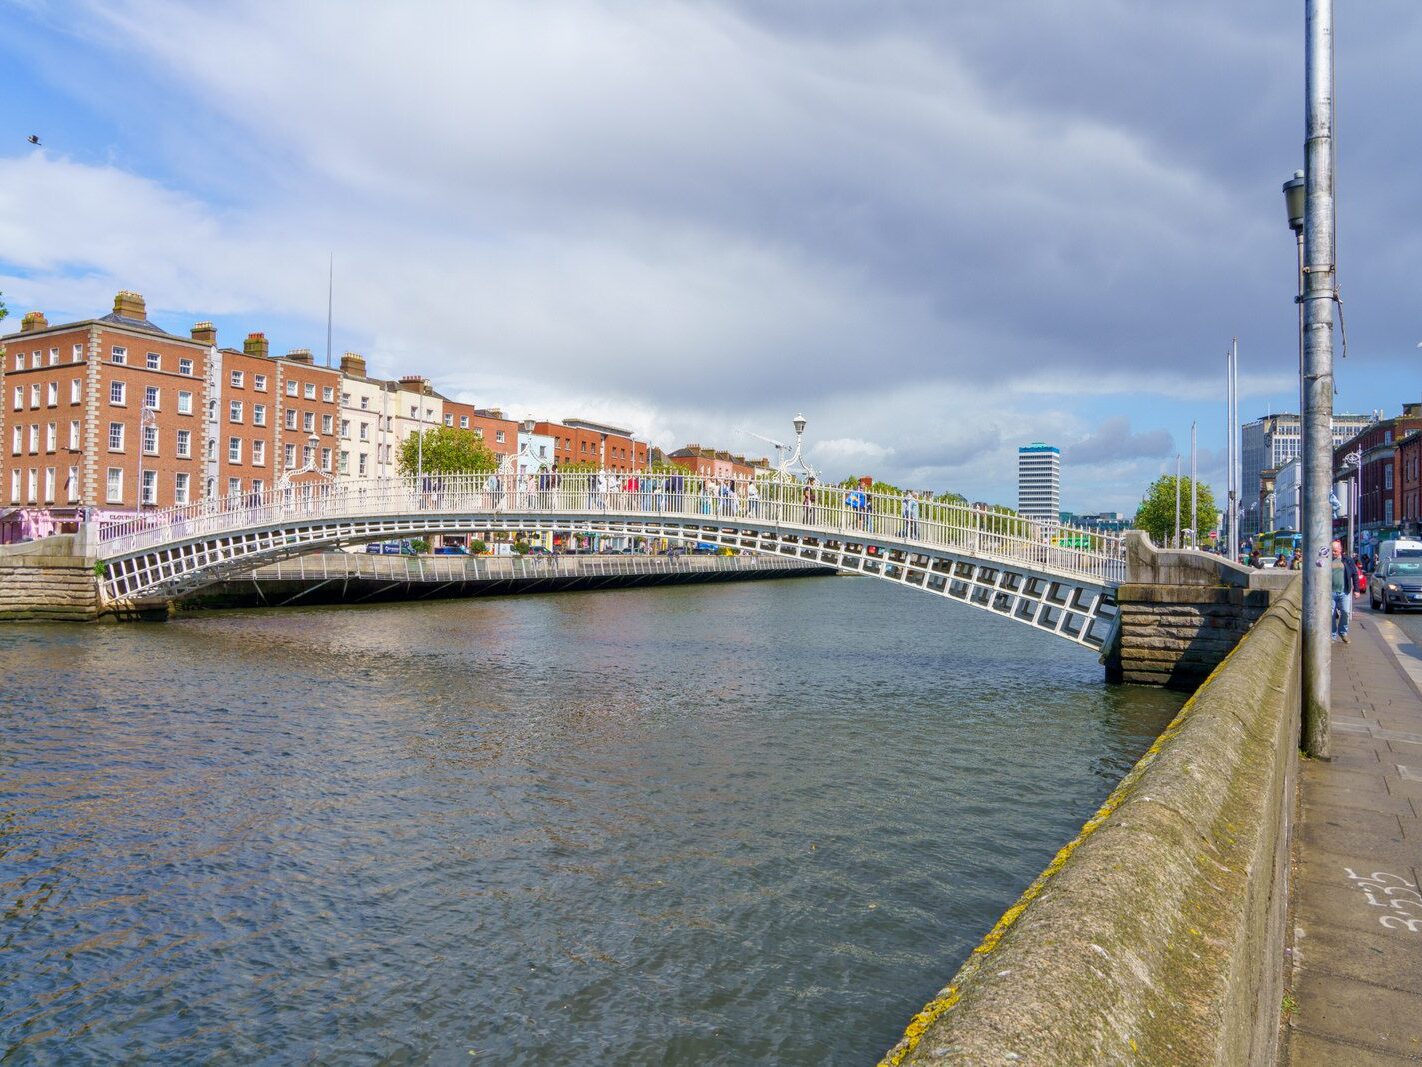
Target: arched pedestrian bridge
point(1060, 581)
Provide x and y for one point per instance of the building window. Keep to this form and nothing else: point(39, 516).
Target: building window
point(310, 390)
point(326, 423)
point(118, 355)
point(234, 486)
point(479, 432)
point(259, 382)
point(185, 403)
point(307, 454)
point(308, 421)
point(290, 388)
point(234, 450)
point(257, 486)
point(115, 486)
point(289, 456)
point(15, 485)
point(234, 411)
point(464, 422)
point(155, 361)
point(34, 437)
point(448, 420)
point(180, 488)
point(365, 403)
point(53, 362)
point(117, 393)
point(49, 485)
point(291, 418)
point(1387, 476)
point(361, 464)
point(259, 453)
point(150, 487)
point(414, 411)
point(150, 440)
point(72, 484)
point(50, 437)
point(19, 398)
point(185, 366)
point(34, 394)
point(211, 449)
point(365, 431)
point(17, 440)
point(76, 388)
point(19, 361)
point(34, 485)
point(185, 444)
point(236, 379)
point(51, 394)
point(78, 355)
point(74, 435)
point(325, 459)
point(328, 393)
point(343, 463)
point(499, 436)
point(115, 437)
point(150, 397)
point(259, 414)
point(346, 429)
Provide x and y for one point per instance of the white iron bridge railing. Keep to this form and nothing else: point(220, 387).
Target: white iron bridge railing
point(850, 514)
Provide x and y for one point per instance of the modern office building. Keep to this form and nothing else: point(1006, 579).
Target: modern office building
point(1039, 482)
point(1267, 444)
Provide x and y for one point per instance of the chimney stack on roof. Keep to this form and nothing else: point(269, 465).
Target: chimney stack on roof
point(32, 321)
point(256, 345)
point(299, 355)
point(130, 305)
point(353, 364)
point(205, 332)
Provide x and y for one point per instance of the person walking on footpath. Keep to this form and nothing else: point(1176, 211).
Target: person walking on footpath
point(1345, 591)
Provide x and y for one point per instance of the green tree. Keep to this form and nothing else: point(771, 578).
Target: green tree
point(3, 309)
point(1156, 515)
point(447, 450)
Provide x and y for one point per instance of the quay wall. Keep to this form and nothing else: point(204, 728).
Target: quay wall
point(1157, 935)
point(45, 580)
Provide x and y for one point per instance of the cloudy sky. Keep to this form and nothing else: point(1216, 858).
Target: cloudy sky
point(941, 230)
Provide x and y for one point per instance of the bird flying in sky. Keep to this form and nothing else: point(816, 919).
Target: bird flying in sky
point(34, 138)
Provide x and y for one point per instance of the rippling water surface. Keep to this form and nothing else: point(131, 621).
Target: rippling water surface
point(720, 824)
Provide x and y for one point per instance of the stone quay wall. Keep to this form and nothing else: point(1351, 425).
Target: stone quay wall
point(46, 580)
point(1182, 612)
point(1157, 935)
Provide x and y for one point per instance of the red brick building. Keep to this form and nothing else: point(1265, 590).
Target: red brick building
point(1409, 464)
point(579, 441)
point(1379, 482)
point(716, 463)
point(97, 411)
point(488, 424)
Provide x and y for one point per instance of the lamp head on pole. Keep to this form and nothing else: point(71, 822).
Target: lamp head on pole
point(1295, 193)
point(799, 424)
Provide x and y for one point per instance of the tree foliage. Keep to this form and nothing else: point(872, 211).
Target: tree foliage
point(447, 450)
point(1156, 515)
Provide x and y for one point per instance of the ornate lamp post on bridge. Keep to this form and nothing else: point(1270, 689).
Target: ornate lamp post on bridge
point(146, 417)
point(1354, 459)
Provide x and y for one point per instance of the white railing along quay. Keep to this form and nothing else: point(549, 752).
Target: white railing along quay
point(783, 504)
point(342, 566)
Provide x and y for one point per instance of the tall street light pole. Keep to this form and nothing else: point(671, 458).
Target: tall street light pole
point(1319, 288)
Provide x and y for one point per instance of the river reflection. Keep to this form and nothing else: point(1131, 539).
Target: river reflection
point(717, 824)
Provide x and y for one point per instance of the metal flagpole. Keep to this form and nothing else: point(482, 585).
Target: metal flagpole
point(1319, 288)
point(1177, 500)
point(1194, 496)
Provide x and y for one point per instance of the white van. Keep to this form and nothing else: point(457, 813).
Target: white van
point(1398, 547)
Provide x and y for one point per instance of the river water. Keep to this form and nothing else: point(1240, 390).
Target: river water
point(730, 824)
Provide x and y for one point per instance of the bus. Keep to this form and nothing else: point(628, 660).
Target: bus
point(1277, 541)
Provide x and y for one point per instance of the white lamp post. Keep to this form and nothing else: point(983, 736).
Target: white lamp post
point(146, 417)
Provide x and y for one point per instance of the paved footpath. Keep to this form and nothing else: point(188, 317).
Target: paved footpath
point(1357, 981)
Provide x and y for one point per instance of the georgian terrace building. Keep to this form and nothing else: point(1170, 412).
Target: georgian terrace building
point(98, 411)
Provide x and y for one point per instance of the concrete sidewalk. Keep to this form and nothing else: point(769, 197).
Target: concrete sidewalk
point(1356, 995)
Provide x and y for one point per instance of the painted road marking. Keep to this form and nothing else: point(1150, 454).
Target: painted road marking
point(1400, 900)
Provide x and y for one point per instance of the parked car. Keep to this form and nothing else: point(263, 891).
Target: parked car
point(451, 550)
point(1397, 585)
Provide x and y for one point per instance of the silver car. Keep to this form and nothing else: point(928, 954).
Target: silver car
point(1396, 584)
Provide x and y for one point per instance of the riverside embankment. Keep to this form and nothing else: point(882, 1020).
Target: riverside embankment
point(1157, 935)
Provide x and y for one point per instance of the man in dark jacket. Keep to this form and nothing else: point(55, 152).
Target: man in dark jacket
point(1345, 590)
